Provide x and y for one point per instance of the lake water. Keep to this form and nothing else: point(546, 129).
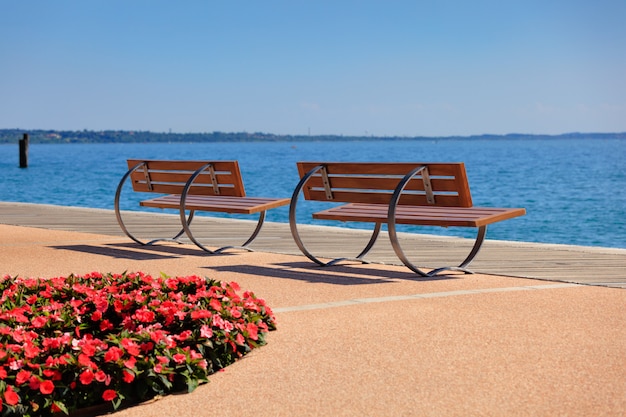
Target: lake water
point(574, 190)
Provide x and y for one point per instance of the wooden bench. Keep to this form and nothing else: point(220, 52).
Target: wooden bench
point(213, 186)
point(425, 194)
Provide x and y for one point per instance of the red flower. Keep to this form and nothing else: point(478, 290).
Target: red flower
point(39, 321)
point(101, 376)
point(85, 361)
point(22, 376)
point(200, 314)
point(86, 377)
point(109, 395)
point(145, 316)
point(131, 347)
point(53, 373)
point(113, 354)
point(11, 396)
point(253, 331)
point(128, 376)
point(216, 304)
point(34, 383)
point(105, 325)
point(179, 358)
point(46, 387)
point(130, 363)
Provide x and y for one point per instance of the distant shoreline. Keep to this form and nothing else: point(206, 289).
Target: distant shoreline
point(123, 136)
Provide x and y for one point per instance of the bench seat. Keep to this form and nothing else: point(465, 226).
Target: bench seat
point(420, 215)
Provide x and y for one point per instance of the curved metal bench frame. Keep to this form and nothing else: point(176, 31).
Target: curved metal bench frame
point(184, 218)
point(395, 243)
point(391, 224)
point(296, 235)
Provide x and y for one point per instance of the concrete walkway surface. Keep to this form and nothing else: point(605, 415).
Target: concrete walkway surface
point(376, 340)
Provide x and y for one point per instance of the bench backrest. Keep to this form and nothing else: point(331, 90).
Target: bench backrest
point(375, 182)
point(169, 177)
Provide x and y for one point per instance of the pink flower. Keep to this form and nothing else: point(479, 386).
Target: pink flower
point(205, 331)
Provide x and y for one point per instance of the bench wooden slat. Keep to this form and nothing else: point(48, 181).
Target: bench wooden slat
point(223, 204)
point(439, 184)
point(383, 198)
point(181, 165)
point(386, 168)
point(194, 190)
point(181, 177)
point(427, 216)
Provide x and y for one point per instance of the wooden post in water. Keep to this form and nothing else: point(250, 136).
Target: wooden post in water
point(24, 151)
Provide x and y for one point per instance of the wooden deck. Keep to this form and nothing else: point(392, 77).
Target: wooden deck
point(584, 265)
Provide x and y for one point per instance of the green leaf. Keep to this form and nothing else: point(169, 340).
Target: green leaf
point(61, 406)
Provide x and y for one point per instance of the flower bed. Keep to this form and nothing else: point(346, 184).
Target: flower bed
point(72, 342)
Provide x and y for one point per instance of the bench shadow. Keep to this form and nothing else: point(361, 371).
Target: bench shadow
point(138, 252)
point(114, 252)
point(337, 275)
point(174, 249)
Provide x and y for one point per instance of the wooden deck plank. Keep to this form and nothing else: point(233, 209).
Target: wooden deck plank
point(585, 265)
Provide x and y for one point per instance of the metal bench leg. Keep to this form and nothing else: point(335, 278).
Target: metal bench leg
point(256, 232)
point(359, 257)
point(393, 237)
point(120, 221)
point(187, 222)
point(480, 238)
point(244, 246)
point(176, 238)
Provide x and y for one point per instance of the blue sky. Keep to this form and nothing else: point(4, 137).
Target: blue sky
point(383, 68)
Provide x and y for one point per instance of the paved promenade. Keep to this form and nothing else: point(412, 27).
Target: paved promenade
point(371, 340)
point(567, 263)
